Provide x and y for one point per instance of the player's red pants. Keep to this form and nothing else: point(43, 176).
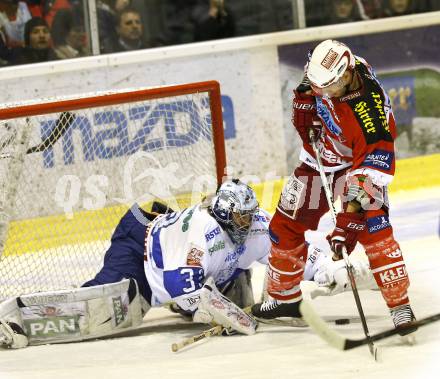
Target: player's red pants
point(302, 204)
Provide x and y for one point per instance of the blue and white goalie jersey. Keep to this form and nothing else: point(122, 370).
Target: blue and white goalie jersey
point(184, 248)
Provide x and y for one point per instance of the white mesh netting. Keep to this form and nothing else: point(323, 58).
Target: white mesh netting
point(60, 202)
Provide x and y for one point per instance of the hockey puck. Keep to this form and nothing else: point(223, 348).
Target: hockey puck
point(342, 321)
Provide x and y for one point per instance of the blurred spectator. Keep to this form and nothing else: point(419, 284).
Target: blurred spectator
point(213, 21)
point(262, 16)
point(69, 37)
point(51, 7)
point(404, 7)
point(319, 12)
point(343, 11)
point(316, 14)
point(129, 30)
point(13, 16)
point(4, 50)
point(178, 26)
point(154, 19)
point(107, 11)
point(371, 8)
point(37, 44)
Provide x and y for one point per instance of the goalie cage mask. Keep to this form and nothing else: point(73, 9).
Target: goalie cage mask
point(234, 207)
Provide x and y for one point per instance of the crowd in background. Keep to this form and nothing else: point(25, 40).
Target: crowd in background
point(34, 31)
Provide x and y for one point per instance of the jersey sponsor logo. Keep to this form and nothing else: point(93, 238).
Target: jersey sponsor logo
point(350, 96)
point(379, 105)
point(327, 154)
point(52, 326)
point(362, 110)
point(261, 218)
point(371, 112)
point(210, 235)
point(185, 224)
point(234, 255)
point(217, 246)
point(327, 117)
point(380, 159)
point(378, 223)
point(194, 257)
point(119, 310)
point(393, 275)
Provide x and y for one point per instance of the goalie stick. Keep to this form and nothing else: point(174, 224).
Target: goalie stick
point(340, 342)
point(349, 267)
point(62, 124)
point(214, 331)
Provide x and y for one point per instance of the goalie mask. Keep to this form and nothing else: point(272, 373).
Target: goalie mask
point(234, 207)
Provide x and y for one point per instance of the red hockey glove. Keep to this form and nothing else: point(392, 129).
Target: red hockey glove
point(345, 234)
point(304, 116)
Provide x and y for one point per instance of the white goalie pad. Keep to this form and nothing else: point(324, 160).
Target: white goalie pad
point(215, 307)
point(73, 315)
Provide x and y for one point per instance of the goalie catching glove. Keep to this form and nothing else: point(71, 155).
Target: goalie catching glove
point(214, 307)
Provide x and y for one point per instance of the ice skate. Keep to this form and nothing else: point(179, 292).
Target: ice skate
point(12, 335)
point(273, 312)
point(403, 317)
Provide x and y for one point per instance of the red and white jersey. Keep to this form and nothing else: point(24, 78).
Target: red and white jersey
point(358, 131)
point(183, 248)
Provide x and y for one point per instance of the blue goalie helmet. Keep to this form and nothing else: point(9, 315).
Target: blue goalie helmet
point(234, 207)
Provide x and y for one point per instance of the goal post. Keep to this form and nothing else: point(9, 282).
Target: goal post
point(70, 167)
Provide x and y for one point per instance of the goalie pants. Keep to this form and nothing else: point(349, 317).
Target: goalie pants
point(124, 258)
point(301, 206)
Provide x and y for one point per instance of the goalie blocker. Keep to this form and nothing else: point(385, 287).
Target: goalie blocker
point(71, 315)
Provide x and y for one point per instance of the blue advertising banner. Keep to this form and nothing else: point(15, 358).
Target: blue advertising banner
point(408, 65)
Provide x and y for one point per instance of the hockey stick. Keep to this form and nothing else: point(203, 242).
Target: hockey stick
point(349, 267)
point(214, 331)
point(340, 342)
point(62, 124)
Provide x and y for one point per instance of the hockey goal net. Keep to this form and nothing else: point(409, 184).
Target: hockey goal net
point(71, 167)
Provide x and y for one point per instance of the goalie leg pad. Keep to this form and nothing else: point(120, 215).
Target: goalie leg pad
point(239, 290)
point(78, 314)
point(215, 307)
point(389, 270)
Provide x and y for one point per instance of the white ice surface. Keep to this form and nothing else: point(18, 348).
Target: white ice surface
point(274, 352)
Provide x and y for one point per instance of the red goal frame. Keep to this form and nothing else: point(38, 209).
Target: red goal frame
point(211, 87)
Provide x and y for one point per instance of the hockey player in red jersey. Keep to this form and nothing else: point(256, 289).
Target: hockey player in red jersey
point(342, 101)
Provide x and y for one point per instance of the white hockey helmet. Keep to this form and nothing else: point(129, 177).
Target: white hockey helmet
point(234, 207)
point(328, 62)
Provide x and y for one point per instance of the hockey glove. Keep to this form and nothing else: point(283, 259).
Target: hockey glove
point(304, 116)
point(345, 234)
point(360, 188)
